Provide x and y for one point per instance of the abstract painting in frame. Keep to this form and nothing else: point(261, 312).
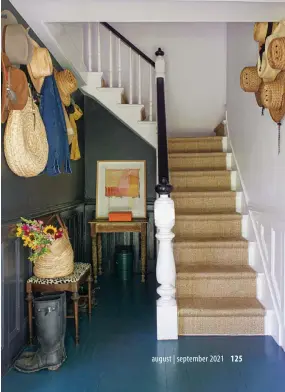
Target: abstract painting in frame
point(121, 186)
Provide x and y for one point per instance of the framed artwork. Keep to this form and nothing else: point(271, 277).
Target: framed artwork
point(121, 186)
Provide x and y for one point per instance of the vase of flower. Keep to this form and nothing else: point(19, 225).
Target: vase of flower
point(51, 251)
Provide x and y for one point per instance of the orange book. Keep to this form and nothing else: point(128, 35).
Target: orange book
point(120, 216)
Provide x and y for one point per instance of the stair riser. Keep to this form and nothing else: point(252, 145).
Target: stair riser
point(211, 256)
point(205, 203)
point(232, 325)
point(216, 287)
point(195, 146)
point(208, 229)
point(203, 182)
point(198, 163)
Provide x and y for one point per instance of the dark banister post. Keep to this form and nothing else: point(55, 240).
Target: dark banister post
point(163, 187)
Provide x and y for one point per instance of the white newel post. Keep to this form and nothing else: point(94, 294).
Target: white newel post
point(164, 217)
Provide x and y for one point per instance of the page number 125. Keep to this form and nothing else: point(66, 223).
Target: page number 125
point(236, 358)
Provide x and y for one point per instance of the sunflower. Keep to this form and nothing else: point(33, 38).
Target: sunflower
point(19, 232)
point(31, 236)
point(50, 230)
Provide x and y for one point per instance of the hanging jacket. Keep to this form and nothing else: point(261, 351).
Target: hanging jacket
point(53, 117)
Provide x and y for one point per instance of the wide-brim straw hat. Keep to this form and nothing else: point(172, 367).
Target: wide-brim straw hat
point(249, 80)
point(66, 84)
point(277, 115)
point(258, 95)
point(40, 66)
point(276, 53)
point(260, 31)
point(16, 44)
point(265, 71)
point(16, 80)
point(273, 92)
point(25, 141)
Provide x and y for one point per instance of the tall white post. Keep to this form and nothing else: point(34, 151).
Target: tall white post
point(89, 45)
point(119, 64)
point(140, 81)
point(164, 217)
point(99, 47)
point(131, 77)
point(150, 93)
point(111, 61)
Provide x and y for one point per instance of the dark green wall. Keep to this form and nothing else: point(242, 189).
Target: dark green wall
point(25, 196)
point(107, 138)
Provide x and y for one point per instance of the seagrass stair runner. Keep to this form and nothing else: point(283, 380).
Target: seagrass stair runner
point(216, 288)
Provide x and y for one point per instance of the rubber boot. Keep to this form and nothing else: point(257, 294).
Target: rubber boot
point(50, 320)
point(52, 295)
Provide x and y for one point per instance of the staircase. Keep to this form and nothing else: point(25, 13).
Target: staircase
point(215, 287)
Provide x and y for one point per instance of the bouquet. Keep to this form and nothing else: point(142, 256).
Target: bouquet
point(37, 236)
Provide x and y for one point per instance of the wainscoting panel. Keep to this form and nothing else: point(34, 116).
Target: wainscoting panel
point(111, 240)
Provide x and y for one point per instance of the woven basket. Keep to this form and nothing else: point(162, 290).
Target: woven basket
point(59, 262)
point(249, 80)
point(272, 94)
point(260, 31)
point(276, 53)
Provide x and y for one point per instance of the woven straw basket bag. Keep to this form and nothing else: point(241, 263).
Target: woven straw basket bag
point(59, 262)
point(25, 141)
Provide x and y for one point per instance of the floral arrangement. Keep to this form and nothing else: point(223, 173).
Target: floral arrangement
point(37, 236)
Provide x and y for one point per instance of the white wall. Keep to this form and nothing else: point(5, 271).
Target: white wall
point(195, 55)
point(254, 137)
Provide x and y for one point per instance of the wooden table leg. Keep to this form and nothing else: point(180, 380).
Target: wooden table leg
point(100, 253)
point(89, 280)
point(94, 257)
point(143, 252)
point(30, 298)
point(75, 297)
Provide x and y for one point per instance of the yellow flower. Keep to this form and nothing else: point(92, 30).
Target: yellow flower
point(26, 240)
point(50, 230)
point(19, 232)
point(32, 237)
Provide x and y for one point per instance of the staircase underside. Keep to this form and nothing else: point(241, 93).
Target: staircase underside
point(216, 288)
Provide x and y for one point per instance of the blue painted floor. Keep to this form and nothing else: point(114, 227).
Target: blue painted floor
point(118, 348)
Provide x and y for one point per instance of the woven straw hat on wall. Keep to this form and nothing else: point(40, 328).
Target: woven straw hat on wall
point(249, 80)
point(40, 66)
point(265, 71)
point(25, 141)
point(276, 53)
point(273, 92)
point(260, 31)
point(66, 84)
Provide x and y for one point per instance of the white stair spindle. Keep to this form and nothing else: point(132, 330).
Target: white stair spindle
point(111, 60)
point(89, 46)
point(140, 80)
point(99, 47)
point(150, 93)
point(131, 78)
point(119, 64)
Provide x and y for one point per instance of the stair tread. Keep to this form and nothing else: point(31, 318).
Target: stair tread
point(199, 172)
point(210, 216)
point(208, 269)
point(189, 306)
point(204, 192)
point(197, 154)
point(211, 241)
point(195, 138)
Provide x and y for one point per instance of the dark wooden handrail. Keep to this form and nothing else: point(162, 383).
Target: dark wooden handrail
point(163, 187)
point(128, 43)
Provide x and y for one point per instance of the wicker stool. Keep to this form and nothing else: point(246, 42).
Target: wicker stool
point(71, 283)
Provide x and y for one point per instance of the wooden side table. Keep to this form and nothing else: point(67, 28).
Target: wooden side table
point(71, 283)
point(100, 226)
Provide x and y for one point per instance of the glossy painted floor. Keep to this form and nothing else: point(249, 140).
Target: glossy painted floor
point(118, 349)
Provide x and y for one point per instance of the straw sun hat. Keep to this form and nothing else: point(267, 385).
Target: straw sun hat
point(265, 71)
point(66, 84)
point(260, 31)
point(40, 66)
point(249, 80)
point(276, 53)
